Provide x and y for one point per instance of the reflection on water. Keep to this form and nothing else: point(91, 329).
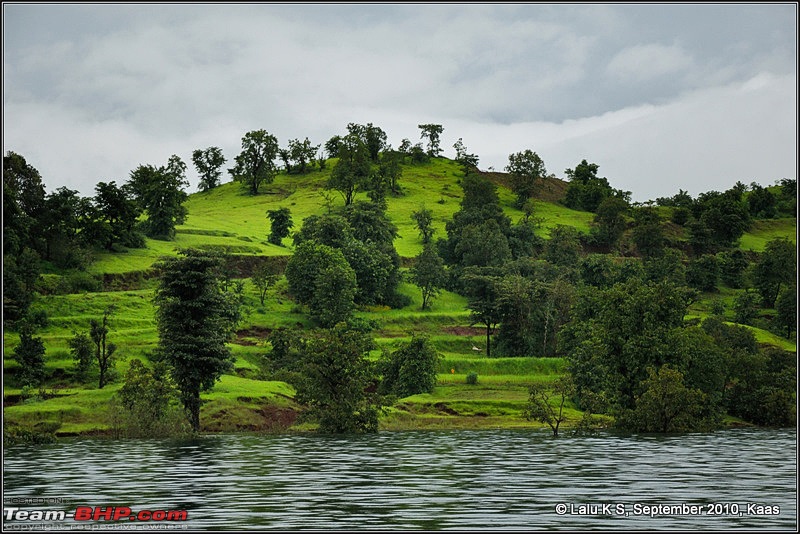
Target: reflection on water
point(463, 480)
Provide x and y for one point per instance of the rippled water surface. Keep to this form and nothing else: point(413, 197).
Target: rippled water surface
point(465, 480)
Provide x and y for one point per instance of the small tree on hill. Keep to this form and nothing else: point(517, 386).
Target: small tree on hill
point(255, 165)
point(264, 278)
point(280, 224)
point(208, 163)
point(29, 354)
point(432, 132)
point(424, 219)
point(411, 369)
point(103, 350)
point(82, 350)
point(429, 274)
point(526, 170)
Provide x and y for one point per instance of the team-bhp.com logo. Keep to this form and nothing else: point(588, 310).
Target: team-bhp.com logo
point(94, 513)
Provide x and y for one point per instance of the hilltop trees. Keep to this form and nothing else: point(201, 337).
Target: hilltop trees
point(353, 169)
point(255, 164)
point(159, 192)
point(208, 163)
point(432, 132)
point(110, 218)
point(526, 170)
point(195, 319)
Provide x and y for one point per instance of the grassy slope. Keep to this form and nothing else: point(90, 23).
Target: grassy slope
point(227, 218)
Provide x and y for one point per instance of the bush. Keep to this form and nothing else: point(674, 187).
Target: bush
point(411, 369)
point(472, 378)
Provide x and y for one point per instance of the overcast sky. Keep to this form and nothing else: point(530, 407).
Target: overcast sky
point(661, 97)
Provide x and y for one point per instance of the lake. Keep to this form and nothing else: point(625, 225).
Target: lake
point(425, 480)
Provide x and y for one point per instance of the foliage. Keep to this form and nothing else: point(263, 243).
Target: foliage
point(302, 153)
point(745, 307)
point(423, 218)
point(149, 400)
point(703, 273)
point(647, 232)
point(786, 309)
point(472, 378)
point(724, 214)
point(776, 268)
point(482, 290)
point(526, 170)
point(82, 350)
point(539, 406)
point(764, 388)
point(336, 377)
point(195, 319)
point(280, 224)
point(586, 191)
point(411, 369)
point(264, 277)
point(468, 162)
point(111, 216)
point(432, 132)
point(352, 171)
point(429, 274)
point(159, 192)
point(372, 137)
point(609, 223)
point(761, 203)
point(732, 265)
point(29, 354)
point(667, 405)
point(208, 163)
point(564, 246)
point(334, 292)
point(255, 164)
point(103, 350)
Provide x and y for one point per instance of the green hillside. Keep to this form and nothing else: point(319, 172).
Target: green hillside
point(228, 219)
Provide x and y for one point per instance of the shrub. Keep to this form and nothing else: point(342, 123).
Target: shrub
point(472, 378)
point(411, 369)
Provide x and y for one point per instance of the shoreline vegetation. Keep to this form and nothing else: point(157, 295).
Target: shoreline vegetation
point(539, 283)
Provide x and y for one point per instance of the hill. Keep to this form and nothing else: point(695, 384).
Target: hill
point(229, 220)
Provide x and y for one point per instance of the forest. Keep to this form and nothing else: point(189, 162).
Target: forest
point(351, 287)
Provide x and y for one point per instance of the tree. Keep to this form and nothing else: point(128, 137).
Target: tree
point(334, 291)
point(208, 163)
point(411, 369)
point(255, 165)
point(732, 265)
point(424, 219)
point(745, 307)
point(610, 222)
point(112, 217)
point(336, 378)
point(353, 169)
point(775, 269)
point(647, 232)
point(761, 203)
point(468, 162)
point(148, 397)
point(786, 309)
point(431, 132)
point(103, 350)
point(264, 277)
point(428, 274)
point(195, 319)
point(483, 295)
point(280, 224)
point(29, 354)
point(540, 407)
point(526, 170)
point(703, 273)
point(586, 191)
point(159, 192)
point(373, 137)
point(302, 153)
point(667, 405)
point(82, 350)
point(564, 246)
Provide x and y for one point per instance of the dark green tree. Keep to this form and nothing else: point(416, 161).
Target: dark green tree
point(432, 132)
point(208, 163)
point(468, 162)
point(195, 319)
point(334, 292)
point(255, 164)
point(149, 398)
point(280, 224)
point(703, 273)
point(104, 352)
point(786, 309)
point(429, 274)
point(112, 217)
point(526, 171)
point(610, 221)
point(732, 265)
point(647, 234)
point(564, 246)
point(775, 269)
point(411, 368)
point(373, 138)
point(423, 217)
point(302, 153)
point(160, 193)
point(29, 354)
point(336, 377)
point(82, 349)
point(761, 203)
point(353, 169)
point(745, 307)
point(482, 290)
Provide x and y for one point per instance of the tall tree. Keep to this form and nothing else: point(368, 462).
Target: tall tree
point(353, 169)
point(428, 274)
point(103, 350)
point(195, 319)
point(112, 216)
point(775, 269)
point(208, 163)
point(160, 193)
point(29, 354)
point(527, 171)
point(432, 132)
point(483, 301)
point(255, 164)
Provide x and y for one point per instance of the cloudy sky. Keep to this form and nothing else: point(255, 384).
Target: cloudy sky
point(661, 97)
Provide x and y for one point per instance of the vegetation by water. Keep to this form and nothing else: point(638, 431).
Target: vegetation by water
point(365, 288)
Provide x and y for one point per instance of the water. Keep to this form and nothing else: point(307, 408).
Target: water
point(463, 480)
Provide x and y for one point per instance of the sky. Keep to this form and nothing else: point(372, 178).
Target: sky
point(663, 97)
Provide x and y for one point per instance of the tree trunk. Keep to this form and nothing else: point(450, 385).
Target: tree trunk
point(488, 333)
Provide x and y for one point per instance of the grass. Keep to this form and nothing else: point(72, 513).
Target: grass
point(765, 230)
